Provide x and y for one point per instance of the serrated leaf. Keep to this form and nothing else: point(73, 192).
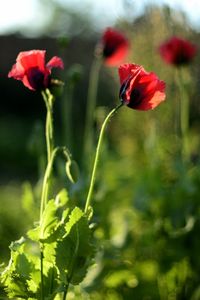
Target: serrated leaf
point(17, 288)
point(74, 251)
point(49, 252)
point(50, 284)
point(49, 220)
point(34, 234)
point(54, 216)
point(74, 217)
point(16, 245)
point(17, 272)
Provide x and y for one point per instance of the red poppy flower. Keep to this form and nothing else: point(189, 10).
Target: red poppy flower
point(177, 51)
point(139, 89)
point(31, 69)
point(114, 47)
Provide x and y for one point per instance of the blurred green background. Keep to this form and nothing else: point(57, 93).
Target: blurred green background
point(146, 203)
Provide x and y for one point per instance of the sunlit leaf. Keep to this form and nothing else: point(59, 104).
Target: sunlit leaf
point(74, 251)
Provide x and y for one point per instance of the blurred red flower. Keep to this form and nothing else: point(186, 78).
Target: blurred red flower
point(31, 69)
point(114, 46)
point(177, 51)
point(139, 89)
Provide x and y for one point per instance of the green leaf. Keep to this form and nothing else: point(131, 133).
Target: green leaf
point(18, 271)
point(54, 216)
point(74, 251)
point(16, 245)
point(75, 216)
point(49, 220)
point(34, 234)
point(50, 284)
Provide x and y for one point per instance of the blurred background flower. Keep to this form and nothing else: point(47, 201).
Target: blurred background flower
point(177, 51)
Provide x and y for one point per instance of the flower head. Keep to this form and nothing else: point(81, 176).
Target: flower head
point(114, 46)
point(31, 69)
point(177, 51)
point(139, 89)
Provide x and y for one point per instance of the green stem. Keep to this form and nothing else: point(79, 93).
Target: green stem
point(48, 98)
point(41, 274)
point(47, 176)
point(183, 115)
point(65, 292)
point(92, 181)
point(91, 104)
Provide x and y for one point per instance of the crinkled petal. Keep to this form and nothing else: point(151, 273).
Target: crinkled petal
point(16, 72)
point(55, 62)
point(127, 70)
point(31, 59)
point(153, 99)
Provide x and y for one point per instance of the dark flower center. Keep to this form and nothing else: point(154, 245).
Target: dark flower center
point(135, 98)
point(135, 95)
point(109, 50)
point(36, 78)
point(182, 58)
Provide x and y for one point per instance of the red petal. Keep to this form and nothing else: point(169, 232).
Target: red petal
point(55, 62)
point(127, 70)
point(16, 72)
point(30, 59)
point(153, 99)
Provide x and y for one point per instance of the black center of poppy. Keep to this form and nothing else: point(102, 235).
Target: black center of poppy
point(135, 98)
point(36, 78)
point(182, 58)
point(108, 50)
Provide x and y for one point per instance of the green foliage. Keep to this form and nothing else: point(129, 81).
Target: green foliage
point(53, 255)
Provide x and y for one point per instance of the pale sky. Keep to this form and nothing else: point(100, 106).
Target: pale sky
point(29, 15)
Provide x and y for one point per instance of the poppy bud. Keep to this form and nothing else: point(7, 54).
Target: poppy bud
point(72, 170)
point(56, 87)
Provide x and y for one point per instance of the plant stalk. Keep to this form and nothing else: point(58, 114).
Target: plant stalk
point(96, 159)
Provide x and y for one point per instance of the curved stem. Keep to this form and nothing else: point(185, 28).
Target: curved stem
point(88, 200)
point(90, 107)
